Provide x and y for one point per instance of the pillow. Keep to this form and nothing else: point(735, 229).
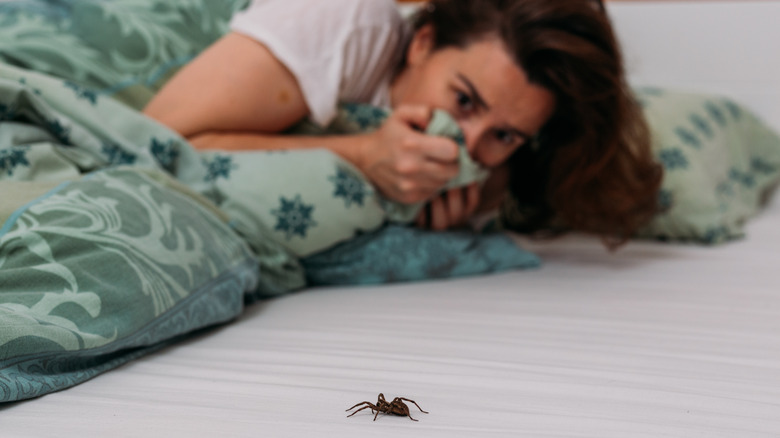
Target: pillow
point(720, 162)
point(396, 253)
point(123, 48)
point(106, 268)
point(310, 200)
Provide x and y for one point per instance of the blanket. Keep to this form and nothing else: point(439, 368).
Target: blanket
point(118, 238)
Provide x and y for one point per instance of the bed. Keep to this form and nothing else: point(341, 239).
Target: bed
point(656, 339)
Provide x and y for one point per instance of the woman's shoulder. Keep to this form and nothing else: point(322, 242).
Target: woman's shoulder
point(330, 20)
point(338, 50)
point(355, 11)
point(370, 10)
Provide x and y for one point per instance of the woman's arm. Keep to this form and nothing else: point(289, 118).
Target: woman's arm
point(237, 96)
point(405, 164)
point(235, 85)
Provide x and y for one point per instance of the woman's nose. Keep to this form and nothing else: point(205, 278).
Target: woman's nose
point(473, 133)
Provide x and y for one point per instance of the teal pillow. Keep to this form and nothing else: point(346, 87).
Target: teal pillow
point(106, 268)
point(720, 163)
point(397, 253)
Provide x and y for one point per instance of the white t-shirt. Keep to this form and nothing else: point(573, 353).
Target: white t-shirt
point(338, 50)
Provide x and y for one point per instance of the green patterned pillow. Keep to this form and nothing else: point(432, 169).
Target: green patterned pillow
point(310, 200)
point(720, 162)
point(106, 268)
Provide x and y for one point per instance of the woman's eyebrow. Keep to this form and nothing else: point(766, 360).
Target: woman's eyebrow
point(479, 101)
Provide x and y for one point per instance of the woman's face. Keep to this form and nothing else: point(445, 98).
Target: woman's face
point(482, 87)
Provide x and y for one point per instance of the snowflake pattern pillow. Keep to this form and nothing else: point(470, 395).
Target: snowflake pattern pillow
point(310, 200)
point(719, 160)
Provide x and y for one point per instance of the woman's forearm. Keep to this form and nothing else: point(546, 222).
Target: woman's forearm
point(349, 147)
point(404, 164)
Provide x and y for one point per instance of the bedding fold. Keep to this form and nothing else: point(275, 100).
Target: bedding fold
point(119, 237)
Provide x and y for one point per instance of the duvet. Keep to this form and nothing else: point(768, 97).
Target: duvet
point(118, 238)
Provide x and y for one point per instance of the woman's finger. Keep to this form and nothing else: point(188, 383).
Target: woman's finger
point(452, 208)
point(438, 214)
point(439, 149)
point(472, 199)
point(414, 116)
point(456, 207)
point(432, 147)
point(439, 171)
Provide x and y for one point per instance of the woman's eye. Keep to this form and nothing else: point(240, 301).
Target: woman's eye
point(506, 138)
point(465, 102)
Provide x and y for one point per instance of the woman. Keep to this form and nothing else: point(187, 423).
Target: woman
point(537, 86)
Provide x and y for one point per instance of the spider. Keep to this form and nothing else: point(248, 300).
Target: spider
point(395, 407)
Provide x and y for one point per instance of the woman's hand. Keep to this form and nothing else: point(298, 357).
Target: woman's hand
point(405, 164)
point(451, 209)
point(457, 206)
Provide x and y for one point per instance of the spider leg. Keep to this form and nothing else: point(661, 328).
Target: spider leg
point(415, 403)
point(404, 410)
point(361, 403)
point(367, 406)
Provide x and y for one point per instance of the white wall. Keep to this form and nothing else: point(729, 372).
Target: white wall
point(725, 47)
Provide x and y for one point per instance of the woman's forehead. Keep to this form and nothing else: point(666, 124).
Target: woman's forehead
point(487, 66)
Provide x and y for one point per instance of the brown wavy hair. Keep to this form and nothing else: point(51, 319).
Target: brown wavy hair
point(591, 168)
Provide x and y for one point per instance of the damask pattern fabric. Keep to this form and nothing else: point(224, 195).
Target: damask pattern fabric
point(106, 268)
point(121, 48)
point(100, 264)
